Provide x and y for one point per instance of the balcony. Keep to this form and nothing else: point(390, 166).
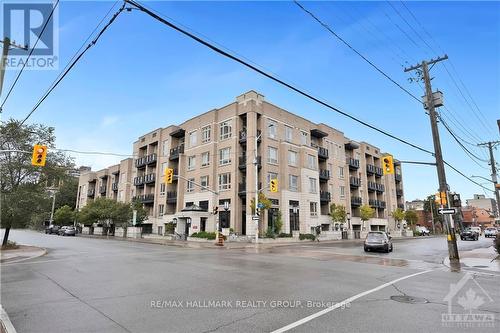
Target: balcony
point(399, 192)
point(114, 187)
point(140, 162)
point(401, 206)
point(171, 197)
point(149, 178)
point(324, 197)
point(145, 198)
point(397, 177)
point(139, 181)
point(102, 189)
point(175, 152)
point(353, 163)
point(356, 201)
point(372, 186)
point(322, 153)
point(243, 136)
point(354, 181)
point(379, 172)
point(242, 162)
point(91, 192)
point(377, 203)
point(151, 159)
point(324, 175)
point(370, 169)
point(380, 187)
point(242, 190)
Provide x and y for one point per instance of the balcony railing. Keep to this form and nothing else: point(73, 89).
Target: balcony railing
point(174, 152)
point(324, 196)
point(399, 192)
point(356, 201)
point(139, 181)
point(91, 192)
point(242, 162)
point(372, 186)
point(376, 203)
point(145, 160)
point(149, 178)
point(397, 177)
point(171, 197)
point(114, 187)
point(401, 206)
point(243, 136)
point(370, 169)
point(324, 174)
point(379, 172)
point(353, 163)
point(322, 153)
point(145, 198)
point(242, 189)
point(102, 189)
point(380, 187)
point(354, 181)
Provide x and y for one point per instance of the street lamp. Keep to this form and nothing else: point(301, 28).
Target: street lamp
point(348, 221)
point(256, 164)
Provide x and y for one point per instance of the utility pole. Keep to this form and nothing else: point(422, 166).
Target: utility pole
point(494, 179)
point(443, 186)
point(3, 61)
point(432, 216)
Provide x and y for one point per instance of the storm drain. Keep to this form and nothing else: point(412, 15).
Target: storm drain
point(480, 266)
point(409, 299)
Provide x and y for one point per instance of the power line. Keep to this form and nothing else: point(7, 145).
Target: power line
point(29, 54)
point(73, 63)
point(356, 51)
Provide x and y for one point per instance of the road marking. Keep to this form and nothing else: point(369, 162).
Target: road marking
point(9, 328)
point(344, 302)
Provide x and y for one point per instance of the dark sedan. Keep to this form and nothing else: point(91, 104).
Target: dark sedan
point(52, 229)
point(378, 240)
point(469, 234)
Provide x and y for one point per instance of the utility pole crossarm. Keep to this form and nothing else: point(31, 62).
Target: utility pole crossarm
point(430, 62)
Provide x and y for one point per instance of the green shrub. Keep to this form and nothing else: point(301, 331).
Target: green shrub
point(270, 233)
point(169, 228)
point(204, 234)
point(11, 245)
point(284, 235)
point(307, 236)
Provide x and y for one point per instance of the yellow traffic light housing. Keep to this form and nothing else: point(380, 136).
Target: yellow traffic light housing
point(388, 165)
point(39, 155)
point(169, 175)
point(274, 185)
point(440, 198)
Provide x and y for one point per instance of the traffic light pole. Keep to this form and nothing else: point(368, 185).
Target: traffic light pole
point(493, 172)
point(443, 186)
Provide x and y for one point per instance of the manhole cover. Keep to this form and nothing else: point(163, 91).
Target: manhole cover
point(409, 299)
point(480, 266)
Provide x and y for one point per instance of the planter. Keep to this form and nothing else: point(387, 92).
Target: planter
point(134, 232)
point(98, 231)
point(86, 230)
point(296, 234)
point(199, 240)
point(119, 232)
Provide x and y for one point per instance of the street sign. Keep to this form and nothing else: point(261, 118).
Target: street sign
point(447, 210)
point(255, 218)
point(260, 205)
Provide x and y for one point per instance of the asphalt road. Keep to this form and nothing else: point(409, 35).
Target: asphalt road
point(98, 285)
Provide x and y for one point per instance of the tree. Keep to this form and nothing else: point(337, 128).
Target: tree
point(411, 217)
point(366, 212)
point(278, 222)
point(142, 214)
point(107, 211)
point(64, 215)
point(23, 187)
point(67, 192)
point(338, 213)
point(430, 204)
point(398, 215)
point(262, 200)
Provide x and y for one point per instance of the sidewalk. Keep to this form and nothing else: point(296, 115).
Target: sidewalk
point(24, 252)
point(483, 259)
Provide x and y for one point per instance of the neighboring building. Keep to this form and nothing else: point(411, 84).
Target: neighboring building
point(424, 218)
point(480, 201)
point(76, 172)
point(315, 165)
point(473, 216)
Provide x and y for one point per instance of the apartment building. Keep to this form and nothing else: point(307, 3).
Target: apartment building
point(315, 165)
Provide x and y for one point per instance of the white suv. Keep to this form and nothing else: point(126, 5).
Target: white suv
point(477, 230)
point(490, 232)
point(422, 230)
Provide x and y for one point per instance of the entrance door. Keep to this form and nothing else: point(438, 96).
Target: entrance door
point(357, 231)
point(243, 222)
point(203, 223)
point(224, 219)
point(294, 216)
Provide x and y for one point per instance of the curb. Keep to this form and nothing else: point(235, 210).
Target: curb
point(23, 259)
point(7, 326)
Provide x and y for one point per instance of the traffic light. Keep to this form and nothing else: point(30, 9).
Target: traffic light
point(169, 175)
point(388, 165)
point(274, 185)
point(216, 210)
point(39, 155)
point(440, 198)
point(456, 202)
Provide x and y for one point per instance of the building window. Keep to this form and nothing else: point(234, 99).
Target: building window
point(312, 185)
point(292, 158)
point(270, 176)
point(193, 139)
point(161, 209)
point(272, 155)
point(303, 137)
point(225, 129)
point(312, 162)
point(224, 181)
point(165, 148)
point(206, 134)
point(203, 204)
point(205, 158)
point(272, 129)
point(190, 185)
point(293, 183)
point(204, 183)
point(341, 172)
point(191, 162)
point(162, 188)
point(225, 156)
point(313, 207)
point(288, 133)
point(342, 192)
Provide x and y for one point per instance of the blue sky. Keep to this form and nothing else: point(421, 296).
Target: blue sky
point(142, 75)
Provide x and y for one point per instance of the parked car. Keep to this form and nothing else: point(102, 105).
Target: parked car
point(52, 229)
point(423, 231)
point(378, 240)
point(469, 233)
point(67, 231)
point(477, 230)
point(490, 232)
